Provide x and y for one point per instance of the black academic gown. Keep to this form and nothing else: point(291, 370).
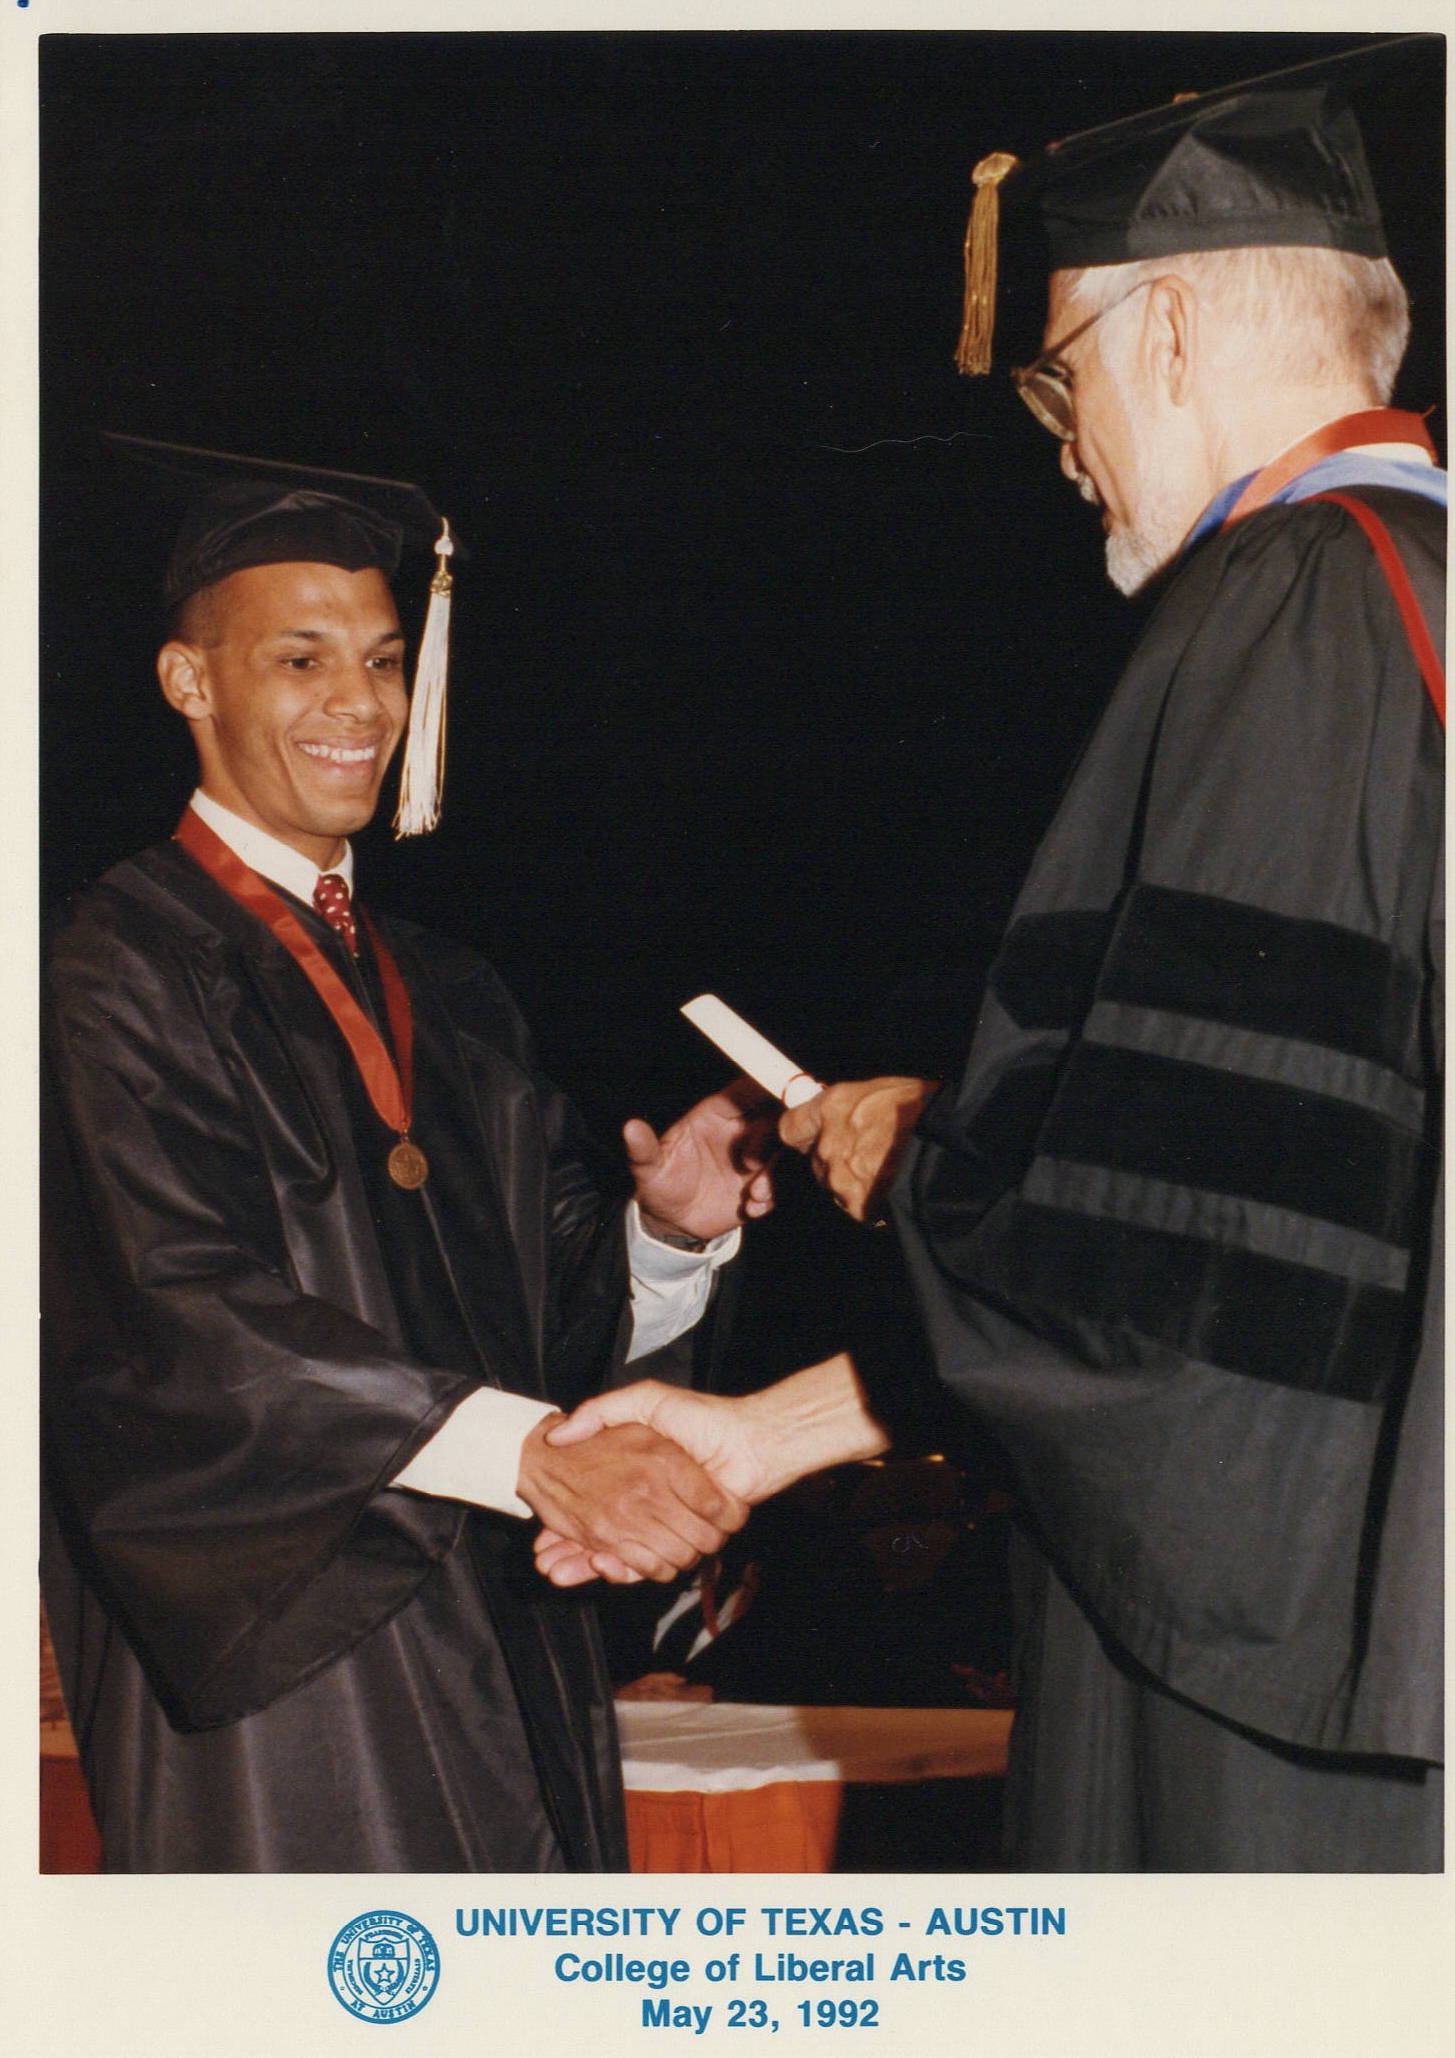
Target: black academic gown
point(274, 1660)
point(1175, 1231)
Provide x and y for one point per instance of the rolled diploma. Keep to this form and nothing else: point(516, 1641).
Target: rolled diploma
point(750, 1052)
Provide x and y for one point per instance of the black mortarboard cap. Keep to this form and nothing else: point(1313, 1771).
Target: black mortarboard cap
point(241, 511)
point(1275, 160)
point(245, 511)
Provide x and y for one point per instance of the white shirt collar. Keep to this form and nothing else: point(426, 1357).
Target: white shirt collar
point(1399, 453)
point(273, 860)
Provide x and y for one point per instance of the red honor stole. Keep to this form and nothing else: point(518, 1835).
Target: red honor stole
point(390, 1087)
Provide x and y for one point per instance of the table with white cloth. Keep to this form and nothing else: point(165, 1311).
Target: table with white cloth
point(728, 1786)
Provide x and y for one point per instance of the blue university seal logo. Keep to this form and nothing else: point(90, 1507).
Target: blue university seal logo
point(383, 1966)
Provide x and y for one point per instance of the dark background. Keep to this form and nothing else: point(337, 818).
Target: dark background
point(777, 639)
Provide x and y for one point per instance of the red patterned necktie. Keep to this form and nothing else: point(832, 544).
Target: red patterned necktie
point(331, 899)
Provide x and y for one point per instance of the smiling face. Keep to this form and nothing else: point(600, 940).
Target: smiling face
point(292, 676)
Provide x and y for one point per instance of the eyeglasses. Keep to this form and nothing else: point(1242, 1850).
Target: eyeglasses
point(1045, 386)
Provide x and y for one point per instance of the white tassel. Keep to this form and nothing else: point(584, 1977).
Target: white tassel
point(423, 775)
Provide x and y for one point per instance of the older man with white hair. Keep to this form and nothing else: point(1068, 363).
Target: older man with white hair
point(1195, 371)
point(1175, 1229)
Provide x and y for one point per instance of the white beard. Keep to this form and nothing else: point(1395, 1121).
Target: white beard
point(1134, 556)
point(1135, 553)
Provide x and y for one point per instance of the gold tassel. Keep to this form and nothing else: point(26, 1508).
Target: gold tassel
point(423, 776)
point(977, 322)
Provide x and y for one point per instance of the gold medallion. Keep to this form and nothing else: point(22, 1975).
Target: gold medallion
point(408, 1165)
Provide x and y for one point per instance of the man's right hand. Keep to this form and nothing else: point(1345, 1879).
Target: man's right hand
point(631, 1494)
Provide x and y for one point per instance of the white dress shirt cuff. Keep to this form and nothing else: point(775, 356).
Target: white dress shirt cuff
point(474, 1455)
point(670, 1287)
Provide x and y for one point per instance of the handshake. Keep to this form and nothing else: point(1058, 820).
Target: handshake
point(641, 1482)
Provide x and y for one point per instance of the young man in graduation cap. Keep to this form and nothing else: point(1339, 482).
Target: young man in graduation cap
point(1175, 1230)
point(327, 1252)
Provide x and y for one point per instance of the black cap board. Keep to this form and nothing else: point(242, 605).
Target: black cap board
point(241, 511)
point(1275, 160)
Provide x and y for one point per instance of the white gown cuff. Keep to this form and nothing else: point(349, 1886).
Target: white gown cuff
point(474, 1455)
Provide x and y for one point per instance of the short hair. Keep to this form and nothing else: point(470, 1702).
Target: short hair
point(1316, 315)
point(195, 619)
